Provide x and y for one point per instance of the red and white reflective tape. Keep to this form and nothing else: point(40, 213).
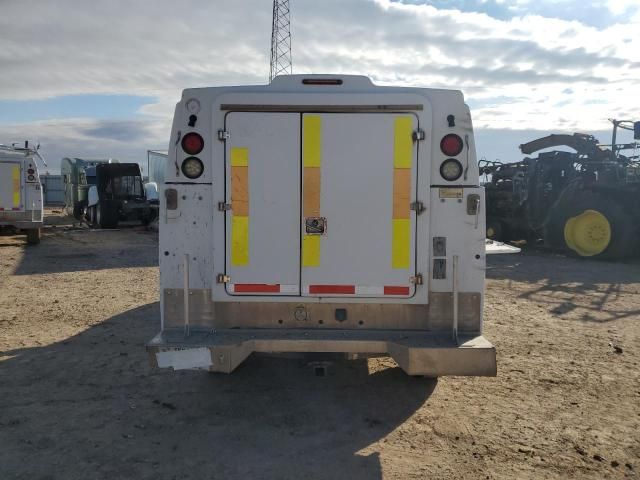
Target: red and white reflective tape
point(262, 288)
point(320, 290)
point(358, 290)
point(2, 209)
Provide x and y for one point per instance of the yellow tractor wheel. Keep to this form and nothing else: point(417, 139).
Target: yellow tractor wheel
point(588, 233)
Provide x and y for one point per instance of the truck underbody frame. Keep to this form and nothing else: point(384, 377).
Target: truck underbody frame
point(416, 352)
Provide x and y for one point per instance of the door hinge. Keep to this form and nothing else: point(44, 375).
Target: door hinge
point(223, 278)
point(417, 280)
point(223, 207)
point(418, 135)
point(418, 207)
point(223, 135)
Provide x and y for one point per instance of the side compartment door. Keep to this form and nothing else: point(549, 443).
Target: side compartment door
point(359, 179)
point(262, 162)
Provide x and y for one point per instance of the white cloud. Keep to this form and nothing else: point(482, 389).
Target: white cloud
point(126, 141)
point(527, 72)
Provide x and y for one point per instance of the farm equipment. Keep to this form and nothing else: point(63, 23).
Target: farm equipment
point(587, 201)
point(117, 195)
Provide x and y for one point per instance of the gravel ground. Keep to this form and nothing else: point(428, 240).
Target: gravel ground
point(78, 399)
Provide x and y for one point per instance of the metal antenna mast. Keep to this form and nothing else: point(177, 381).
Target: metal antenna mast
point(280, 40)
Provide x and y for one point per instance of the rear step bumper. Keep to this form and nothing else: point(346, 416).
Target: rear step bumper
point(417, 353)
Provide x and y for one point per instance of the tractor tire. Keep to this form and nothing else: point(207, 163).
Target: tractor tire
point(494, 229)
point(591, 226)
point(33, 236)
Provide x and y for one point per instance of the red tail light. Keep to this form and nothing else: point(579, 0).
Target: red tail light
point(192, 143)
point(31, 171)
point(451, 145)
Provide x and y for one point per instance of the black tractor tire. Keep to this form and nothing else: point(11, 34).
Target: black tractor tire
point(33, 236)
point(494, 229)
point(621, 224)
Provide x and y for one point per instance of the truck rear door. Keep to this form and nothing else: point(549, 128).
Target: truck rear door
point(359, 179)
point(11, 178)
point(263, 192)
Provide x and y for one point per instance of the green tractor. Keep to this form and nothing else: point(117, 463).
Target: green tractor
point(587, 202)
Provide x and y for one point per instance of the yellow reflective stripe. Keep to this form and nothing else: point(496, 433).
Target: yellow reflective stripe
point(311, 150)
point(240, 206)
point(311, 185)
point(403, 142)
point(401, 218)
point(239, 157)
point(401, 243)
point(311, 250)
point(15, 176)
point(239, 240)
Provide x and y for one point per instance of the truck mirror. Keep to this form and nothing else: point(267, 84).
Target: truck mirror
point(92, 196)
point(636, 130)
point(151, 191)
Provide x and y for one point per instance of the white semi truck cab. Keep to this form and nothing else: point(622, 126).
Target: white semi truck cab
point(20, 191)
point(322, 213)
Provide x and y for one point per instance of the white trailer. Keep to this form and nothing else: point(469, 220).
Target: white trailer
point(322, 214)
point(20, 191)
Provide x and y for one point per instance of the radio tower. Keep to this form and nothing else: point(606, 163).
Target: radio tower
point(280, 40)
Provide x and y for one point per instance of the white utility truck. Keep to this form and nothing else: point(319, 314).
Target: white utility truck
point(20, 191)
point(322, 214)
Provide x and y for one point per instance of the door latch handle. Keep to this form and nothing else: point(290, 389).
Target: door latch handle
point(315, 225)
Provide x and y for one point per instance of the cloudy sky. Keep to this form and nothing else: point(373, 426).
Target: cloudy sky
point(101, 78)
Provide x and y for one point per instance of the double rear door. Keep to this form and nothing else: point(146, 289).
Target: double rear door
point(320, 204)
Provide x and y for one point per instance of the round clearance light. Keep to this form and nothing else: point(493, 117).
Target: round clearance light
point(192, 143)
point(451, 169)
point(192, 106)
point(451, 145)
point(192, 167)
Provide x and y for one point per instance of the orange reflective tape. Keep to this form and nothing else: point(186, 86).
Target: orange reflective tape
point(311, 192)
point(240, 191)
point(401, 192)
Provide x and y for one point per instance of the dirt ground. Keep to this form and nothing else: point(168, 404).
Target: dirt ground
point(78, 399)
